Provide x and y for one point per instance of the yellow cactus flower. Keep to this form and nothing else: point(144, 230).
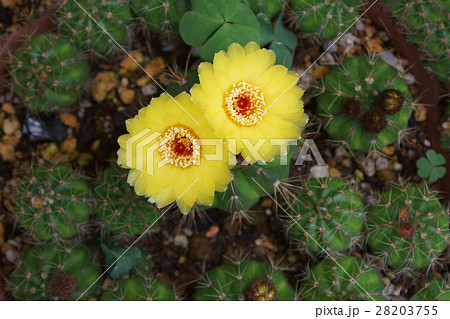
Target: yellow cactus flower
point(173, 154)
point(249, 101)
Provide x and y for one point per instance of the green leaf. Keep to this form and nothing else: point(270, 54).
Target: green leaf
point(266, 30)
point(424, 167)
point(436, 173)
point(216, 24)
point(435, 158)
point(284, 36)
point(123, 266)
point(284, 55)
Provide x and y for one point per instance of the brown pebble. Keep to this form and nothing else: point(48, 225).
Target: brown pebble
point(69, 119)
point(102, 84)
point(7, 152)
point(128, 64)
point(386, 175)
point(359, 175)
point(420, 114)
point(127, 95)
point(10, 125)
point(212, 231)
point(320, 72)
point(388, 150)
point(69, 144)
point(373, 45)
point(264, 242)
point(143, 80)
point(334, 172)
point(8, 108)
point(155, 66)
point(266, 203)
point(370, 30)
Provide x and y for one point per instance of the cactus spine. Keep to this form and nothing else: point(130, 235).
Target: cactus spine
point(409, 228)
point(356, 280)
point(120, 212)
point(48, 73)
point(244, 280)
point(52, 272)
point(52, 202)
point(328, 214)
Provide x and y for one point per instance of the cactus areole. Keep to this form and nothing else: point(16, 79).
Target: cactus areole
point(63, 286)
point(262, 290)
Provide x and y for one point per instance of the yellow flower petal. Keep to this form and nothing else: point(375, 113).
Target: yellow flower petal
point(165, 146)
point(231, 90)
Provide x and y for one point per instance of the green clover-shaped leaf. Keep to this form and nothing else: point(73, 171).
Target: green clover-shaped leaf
point(282, 41)
point(431, 166)
point(215, 24)
point(435, 158)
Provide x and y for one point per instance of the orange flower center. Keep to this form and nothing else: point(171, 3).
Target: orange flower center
point(244, 104)
point(180, 146)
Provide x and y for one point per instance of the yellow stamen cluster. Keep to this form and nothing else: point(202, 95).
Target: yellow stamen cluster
point(245, 104)
point(180, 146)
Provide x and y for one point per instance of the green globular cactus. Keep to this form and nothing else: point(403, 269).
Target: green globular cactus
point(48, 72)
point(328, 214)
point(241, 280)
point(441, 67)
point(365, 103)
point(52, 202)
point(53, 272)
point(408, 229)
point(346, 278)
point(324, 19)
point(140, 286)
point(426, 23)
point(161, 16)
point(251, 182)
point(93, 24)
point(265, 8)
point(436, 290)
point(120, 212)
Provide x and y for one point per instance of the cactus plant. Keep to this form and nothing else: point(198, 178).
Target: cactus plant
point(52, 272)
point(140, 286)
point(244, 280)
point(120, 212)
point(161, 16)
point(251, 182)
point(365, 103)
point(99, 25)
point(265, 8)
point(408, 229)
point(441, 68)
point(325, 19)
point(52, 202)
point(427, 24)
point(48, 72)
point(347, 278)
point(435, 290)
point(327, 213)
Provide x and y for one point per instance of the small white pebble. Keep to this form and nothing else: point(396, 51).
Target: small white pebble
point(181, 240)
point(389, 58)
point(11, 255)
point(149, 89)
